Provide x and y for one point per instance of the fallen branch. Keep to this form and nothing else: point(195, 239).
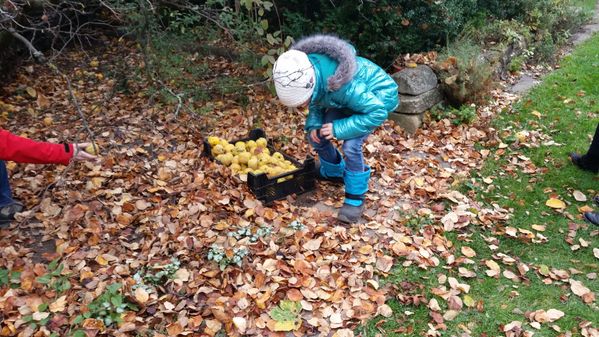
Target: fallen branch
point(38, 55)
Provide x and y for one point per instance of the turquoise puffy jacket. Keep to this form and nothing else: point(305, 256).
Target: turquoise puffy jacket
point(368, 97)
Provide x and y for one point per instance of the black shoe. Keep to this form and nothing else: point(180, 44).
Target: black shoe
point(596, 200)
point(592, 217)
point(7, 213)
point(579, 162)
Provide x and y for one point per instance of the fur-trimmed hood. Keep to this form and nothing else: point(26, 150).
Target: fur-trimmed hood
point(335, 48)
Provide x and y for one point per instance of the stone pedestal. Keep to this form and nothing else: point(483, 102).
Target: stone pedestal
point(418, 92)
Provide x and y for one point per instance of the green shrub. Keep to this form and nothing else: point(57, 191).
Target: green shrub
point(466, 76)
point(516, 64)
point(384, 29)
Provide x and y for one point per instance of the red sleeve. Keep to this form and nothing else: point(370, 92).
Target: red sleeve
point(24, 150)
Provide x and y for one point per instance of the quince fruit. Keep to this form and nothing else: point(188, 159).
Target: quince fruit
point(253, 163)
point(91, 149)
point(212, 140)
point(218, 149)
point(229, 147)
point(261, 142)
point(244, 157)
point(235, 168)
point(225, 158)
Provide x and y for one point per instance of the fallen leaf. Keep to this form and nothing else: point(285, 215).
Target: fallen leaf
point(101, 260)
point(469, 301)
point(385, 311)
point(512, 325)
point(294, 295)
point(213, 326)
point(313, 244)
point(384, 263)
point(555, 203)
point(450, 315)
point(578, 288)
point(540, 228)
point(554, 314)
point(31, 92)
point(433, 304)
point(579, 196)
point(38, 316)
point(182, 275)
point(59, 304)
point(287, 325)
point(469, 252)
point(585, 208)
point(141, 295)
point(240, 323)
point(596, 252)
point(174, 329)
point(510, 275)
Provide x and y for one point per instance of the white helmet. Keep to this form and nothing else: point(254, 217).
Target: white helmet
point(293, 75)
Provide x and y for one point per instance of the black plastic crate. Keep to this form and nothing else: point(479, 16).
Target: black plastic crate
point(268, 189)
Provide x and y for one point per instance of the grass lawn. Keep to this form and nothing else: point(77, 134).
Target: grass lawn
point(565, 107)
point(587, 5)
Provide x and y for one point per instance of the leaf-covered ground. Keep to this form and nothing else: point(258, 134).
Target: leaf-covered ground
point(127, 246)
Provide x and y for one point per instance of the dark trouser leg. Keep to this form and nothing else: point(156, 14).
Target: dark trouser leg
point(590, 160)
point(5, 193)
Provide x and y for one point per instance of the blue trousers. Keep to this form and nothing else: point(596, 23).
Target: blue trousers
point(352, 148)
point(5, 193)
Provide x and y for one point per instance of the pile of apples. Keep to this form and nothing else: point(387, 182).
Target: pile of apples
point(250, 157)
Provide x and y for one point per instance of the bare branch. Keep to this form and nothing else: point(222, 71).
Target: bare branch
point(39, 56)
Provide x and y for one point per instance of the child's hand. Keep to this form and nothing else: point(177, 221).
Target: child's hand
point(80, 153)
point(327, 131)
point(314, 136)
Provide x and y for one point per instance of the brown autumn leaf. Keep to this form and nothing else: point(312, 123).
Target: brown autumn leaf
point(42, 101)
point(93, 324)
point(454, 303)
point(385, 311)
point(313, 244)
point(433, 304)
point(579, 196)
point(58, 305)
point(212, 327)
point(510, 275)
point(294, 295)
point(578, 288)
point(554, 314)
point(174, 329)
point(467, 251)
point(384, 263)
point(141, 295)
point(494, 268)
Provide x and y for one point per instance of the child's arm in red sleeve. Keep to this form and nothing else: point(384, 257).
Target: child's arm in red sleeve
point(24, 150)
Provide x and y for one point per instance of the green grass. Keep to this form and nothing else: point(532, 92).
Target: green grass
point(586, 5)
point(568, 101)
